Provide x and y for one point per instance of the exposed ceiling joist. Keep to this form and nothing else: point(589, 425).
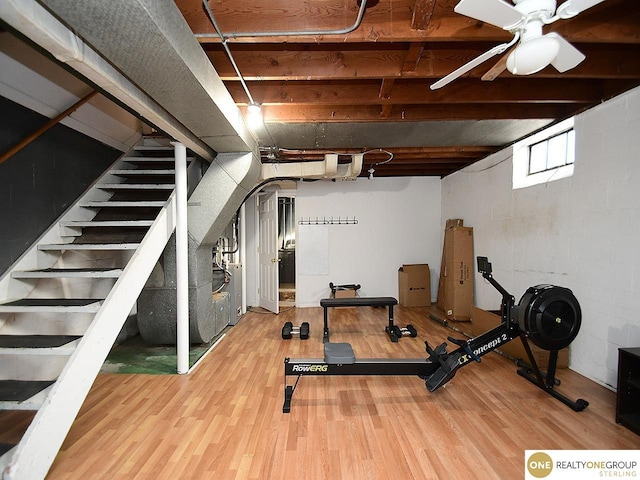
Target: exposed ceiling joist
point(370, 87)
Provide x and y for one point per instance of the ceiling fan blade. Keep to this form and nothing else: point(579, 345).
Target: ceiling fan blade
point(568, 56)
point(571, 8)
point(497, 69)
point(495, 12)
point(469, 66)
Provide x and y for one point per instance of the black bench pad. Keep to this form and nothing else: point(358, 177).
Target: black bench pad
point(358, 302)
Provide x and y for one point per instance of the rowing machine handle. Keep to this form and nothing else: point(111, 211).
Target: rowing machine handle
point(465, 345)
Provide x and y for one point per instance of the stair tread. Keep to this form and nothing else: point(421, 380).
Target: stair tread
point(68, 273)
point(128, 203)
point(136, 186)
point(36, 341)
point(21, 390)
point(148, 159)
point(153, 147)
point(51, 302)
point(88, 246)
point(134, 172)
point(107, 223)
point(5, 447)
point(52, 305)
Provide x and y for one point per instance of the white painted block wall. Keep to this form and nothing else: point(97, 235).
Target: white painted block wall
point(582, 232)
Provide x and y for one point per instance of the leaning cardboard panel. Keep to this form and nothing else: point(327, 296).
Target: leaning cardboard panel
point(414, 285)
point(455, 288)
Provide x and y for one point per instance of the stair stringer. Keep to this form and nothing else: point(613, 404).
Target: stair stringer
point(40, 444)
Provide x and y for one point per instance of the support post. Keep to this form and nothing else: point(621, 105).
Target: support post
point(243, 257)
point(182, 260)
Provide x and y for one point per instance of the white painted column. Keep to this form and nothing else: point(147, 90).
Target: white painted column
point(243, 257)
point(182, 260)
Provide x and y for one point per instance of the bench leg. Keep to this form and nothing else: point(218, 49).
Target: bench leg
point(391, 329)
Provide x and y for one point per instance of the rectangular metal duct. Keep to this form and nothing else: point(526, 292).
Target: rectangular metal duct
point(150, 42)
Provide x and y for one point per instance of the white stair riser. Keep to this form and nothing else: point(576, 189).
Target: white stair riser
point(73, 287)
point(31, 367)
point(46, 324)
point(93, 259)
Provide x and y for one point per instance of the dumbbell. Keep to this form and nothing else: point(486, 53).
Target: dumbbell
point(409, 330)
point(288, 330)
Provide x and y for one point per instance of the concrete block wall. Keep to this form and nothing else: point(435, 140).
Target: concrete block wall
point(580, 232)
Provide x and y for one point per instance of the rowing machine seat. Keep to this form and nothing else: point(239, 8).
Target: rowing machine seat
point(339, 354)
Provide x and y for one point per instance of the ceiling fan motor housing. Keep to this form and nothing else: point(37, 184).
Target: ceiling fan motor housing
point(549, 315)
point(546, 7)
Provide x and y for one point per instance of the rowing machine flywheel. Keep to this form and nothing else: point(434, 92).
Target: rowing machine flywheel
point(550, 316)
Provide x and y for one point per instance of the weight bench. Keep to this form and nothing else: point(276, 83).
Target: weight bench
point(327, 303)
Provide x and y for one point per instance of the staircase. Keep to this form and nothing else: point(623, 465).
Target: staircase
point(65, 301)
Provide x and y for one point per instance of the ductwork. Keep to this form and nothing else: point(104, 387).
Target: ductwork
point(152, 44)
point(35, 23)
point(329, 168)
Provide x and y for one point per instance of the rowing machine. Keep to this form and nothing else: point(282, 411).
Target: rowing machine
point(548, 315)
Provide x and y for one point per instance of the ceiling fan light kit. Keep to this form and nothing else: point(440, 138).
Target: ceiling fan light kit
point(532, 56)
point(525, 19)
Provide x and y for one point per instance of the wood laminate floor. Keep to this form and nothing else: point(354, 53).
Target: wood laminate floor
point(225, 420)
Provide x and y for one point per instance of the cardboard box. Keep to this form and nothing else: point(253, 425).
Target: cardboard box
point(455, 287)
point(484, 320)
point(414, 285)
point(346, 293)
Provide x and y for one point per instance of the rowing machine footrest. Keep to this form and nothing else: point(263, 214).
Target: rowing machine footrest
point(448, 366)
point(339, 354)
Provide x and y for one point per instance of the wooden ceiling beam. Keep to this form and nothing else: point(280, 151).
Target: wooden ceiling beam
point(417, 92)
point(413, 113)
point(614, 21)
point(422, 13)
point(414, 54)
point(612, 62)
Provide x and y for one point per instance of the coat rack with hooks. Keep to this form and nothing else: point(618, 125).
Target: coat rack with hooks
point(328, 221)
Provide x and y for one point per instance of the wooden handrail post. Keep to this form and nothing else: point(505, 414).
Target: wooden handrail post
point(27, 140)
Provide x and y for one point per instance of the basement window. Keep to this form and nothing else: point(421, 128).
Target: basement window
point(545, 156)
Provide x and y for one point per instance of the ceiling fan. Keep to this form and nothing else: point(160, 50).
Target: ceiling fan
point(524, 20)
